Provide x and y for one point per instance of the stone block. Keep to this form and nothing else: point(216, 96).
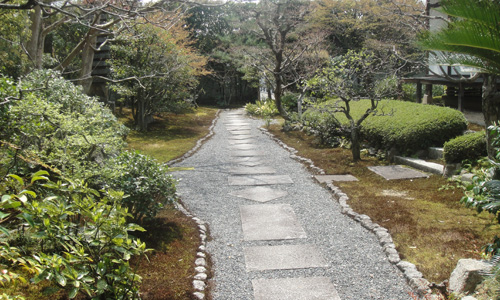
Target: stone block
point(467, 275)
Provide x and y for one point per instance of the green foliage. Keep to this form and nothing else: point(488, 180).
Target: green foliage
point(266, 108)
point(403, 125)
point(14, 29)
point(144, 181)
point(484, 192)
point(83, 242)
point(289, 101)
point(55, 120)
point(469, 146)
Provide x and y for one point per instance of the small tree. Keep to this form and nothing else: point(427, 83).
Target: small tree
point(354, 76)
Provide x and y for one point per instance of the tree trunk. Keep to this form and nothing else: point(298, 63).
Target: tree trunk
point(355, 144)
point(35, 44)
point(87, 63)
point(491, 107)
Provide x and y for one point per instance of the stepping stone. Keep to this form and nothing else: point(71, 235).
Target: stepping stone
point(265, 222)
point(260, 194)
point(241, 132)
point(236, 142)
point(237, 123)
point(330, 178)
point(283, 257)
point(241, 159)
point(237, 127)
point(260, 180)
point(397, 172)
point(246, 153)
point(241, 137)
point(309, 288)
point(243, 147)
point(251, 170)
point(251, 163)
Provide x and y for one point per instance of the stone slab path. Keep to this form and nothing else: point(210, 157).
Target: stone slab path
point(275, 232)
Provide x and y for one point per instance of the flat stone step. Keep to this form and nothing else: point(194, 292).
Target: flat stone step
point(308, 288)
point(247, 153)
point(397, 172)
point(336, 178)
point(243, 146)
point(244, 170)
point(260, 180)
point(264, 222)
point(283, 257)
point(259, 193)
point(420, 164)
point(435, 152)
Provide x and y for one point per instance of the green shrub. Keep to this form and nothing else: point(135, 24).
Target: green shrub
point(289, 102)
point(405, 126)
point(145, 182)
point(469, 146)
point(265, 109)
point(60, 124)
point(82, 238)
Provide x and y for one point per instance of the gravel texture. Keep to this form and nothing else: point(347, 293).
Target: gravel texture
point(358, 266)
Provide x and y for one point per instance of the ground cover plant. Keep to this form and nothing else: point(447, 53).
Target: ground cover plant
point(171, 135)
point(429, 225)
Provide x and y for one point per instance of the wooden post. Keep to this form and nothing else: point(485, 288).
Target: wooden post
point(419, 92)
point(428, 94)
point(461, 91)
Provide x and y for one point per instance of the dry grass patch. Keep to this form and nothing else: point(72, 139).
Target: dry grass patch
point(429, 226)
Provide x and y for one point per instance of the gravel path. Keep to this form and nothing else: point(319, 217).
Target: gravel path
point(357, 265)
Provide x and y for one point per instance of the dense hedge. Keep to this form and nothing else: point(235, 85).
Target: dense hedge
point(468, 146)
point(406, 126)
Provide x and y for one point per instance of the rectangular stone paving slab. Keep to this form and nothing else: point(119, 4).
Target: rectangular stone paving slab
point(283, 257)
point(246, 153)
point(251, 170)
point(251, 163)
point(260, 180)
point(237, 142)
point(260, 193)
point(243, 147)
point(397, 172)
point(241, 137)
point(301, 288)
point(270, 222)
point(241, 132)
point(234, 128)
point(330, 178)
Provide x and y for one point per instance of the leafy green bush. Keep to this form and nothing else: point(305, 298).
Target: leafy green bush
point(145, 182)
point(406, 126)
point(83, 243)
point(468, 146)
point(289, 102)
point(266, 108)
point(60, 124)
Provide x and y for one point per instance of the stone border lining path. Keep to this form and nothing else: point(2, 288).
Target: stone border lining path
point(413, 276)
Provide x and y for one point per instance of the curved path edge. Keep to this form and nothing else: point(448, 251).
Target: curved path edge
point(202, 267)
point(413, 276)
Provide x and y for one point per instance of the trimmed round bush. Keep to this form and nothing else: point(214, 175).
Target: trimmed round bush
point(468, 146)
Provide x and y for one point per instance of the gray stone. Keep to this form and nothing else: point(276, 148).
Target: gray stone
point(202, 227)
point(246, 153)
point(397, 172)
point(467, 275)
point(199, 296)
point(243, 147)
point(251, 163)
point(244, 170)
point(239, 160)
point(259, 180)
point(230, 127)
point(200, 269)
point(199, 285)
point(310, 288)
point(260, 194)
point(241, 137)
point(241, 132)
point(200, 276)
point(200, 262)
point(330, 178)
point(201, 254)
point(469, 298)
point(393, 258)
point(242, 141)
point(420, 164)
point(257, 220)
point(283, 257)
